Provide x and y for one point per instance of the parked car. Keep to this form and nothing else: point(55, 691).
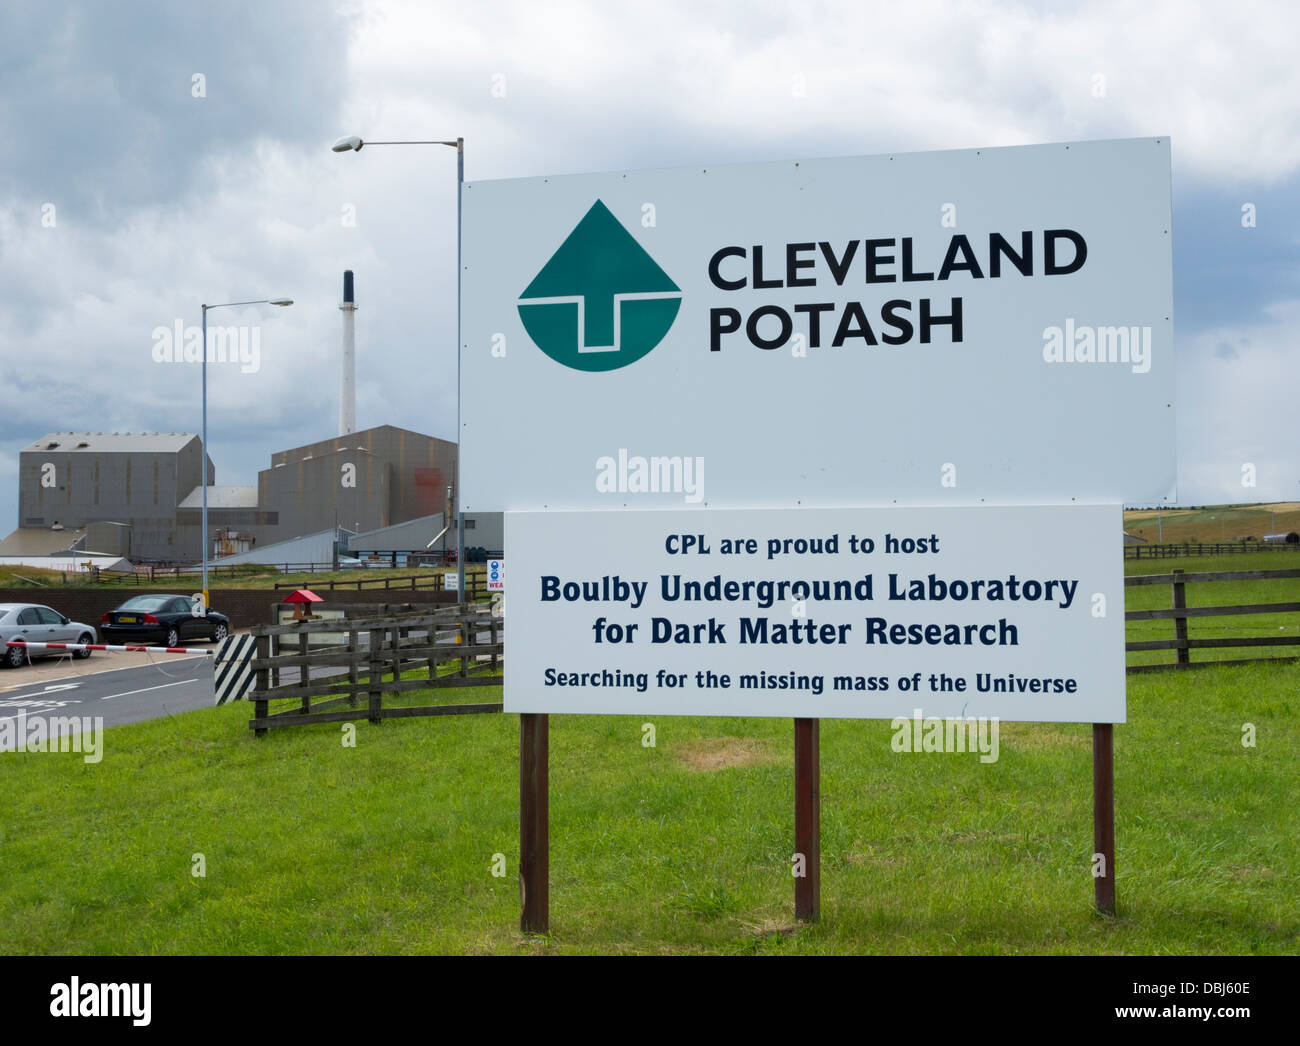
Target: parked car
point(34, 623)
point(162, 620)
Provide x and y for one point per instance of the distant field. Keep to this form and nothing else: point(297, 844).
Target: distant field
point(1213, 523)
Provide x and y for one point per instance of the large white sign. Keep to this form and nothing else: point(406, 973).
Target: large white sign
point(1016, 613)
point(952, 327)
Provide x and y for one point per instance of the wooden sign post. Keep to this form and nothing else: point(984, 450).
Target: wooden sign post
point(534, 822)
point(1103, 815)
point(808, 820)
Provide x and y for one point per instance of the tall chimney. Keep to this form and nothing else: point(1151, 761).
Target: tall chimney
point(348, 371)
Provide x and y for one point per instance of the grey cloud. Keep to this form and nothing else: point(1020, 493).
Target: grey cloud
point(98, 115)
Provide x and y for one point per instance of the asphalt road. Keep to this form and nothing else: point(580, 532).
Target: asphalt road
point(125, 695)
point(151, 687)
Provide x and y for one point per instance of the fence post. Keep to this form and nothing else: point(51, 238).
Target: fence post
point(1180, 622)
point(352, 668)
point(304, 672)
point(262, 683)
point(496, 661)
point(376, 672)
point(397, 655)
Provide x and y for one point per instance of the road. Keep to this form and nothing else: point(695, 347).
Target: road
point(124, 695)
point(151, 686)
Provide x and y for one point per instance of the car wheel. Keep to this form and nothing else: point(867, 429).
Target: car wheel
point(85, 640)
point(219, 633)
point(173, 638)
point(15, 657)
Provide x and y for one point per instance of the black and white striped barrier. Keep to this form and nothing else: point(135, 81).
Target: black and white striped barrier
point(234, 675)
point(115, 649)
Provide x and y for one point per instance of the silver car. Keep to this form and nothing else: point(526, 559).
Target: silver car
point(34, 623)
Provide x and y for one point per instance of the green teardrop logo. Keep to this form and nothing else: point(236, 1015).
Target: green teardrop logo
point(601, 302)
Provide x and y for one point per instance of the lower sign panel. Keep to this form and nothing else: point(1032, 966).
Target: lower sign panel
point(873, 613)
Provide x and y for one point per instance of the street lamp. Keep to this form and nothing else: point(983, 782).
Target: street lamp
point(203, 464)
point(354, 143)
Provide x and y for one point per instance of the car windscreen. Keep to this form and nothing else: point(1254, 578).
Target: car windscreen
point(146, 603)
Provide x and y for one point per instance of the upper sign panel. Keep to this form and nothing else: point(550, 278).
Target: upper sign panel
point(952, 327)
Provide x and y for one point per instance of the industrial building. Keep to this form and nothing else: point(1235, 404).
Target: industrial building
point(140, 495)
point(72, 480)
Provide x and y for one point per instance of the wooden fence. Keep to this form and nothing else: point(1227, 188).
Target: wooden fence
point(475, 583)
point(1170, 550)
point(1180, 612)
point(147, 575)
point(397, 641)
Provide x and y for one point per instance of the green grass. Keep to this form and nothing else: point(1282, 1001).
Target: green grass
point(1216, 593)
point(387, 847)
point(26, 577)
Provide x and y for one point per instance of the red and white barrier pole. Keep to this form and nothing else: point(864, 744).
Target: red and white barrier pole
point(117, 649)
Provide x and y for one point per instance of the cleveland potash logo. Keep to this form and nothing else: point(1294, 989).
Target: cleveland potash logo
point(601, 302)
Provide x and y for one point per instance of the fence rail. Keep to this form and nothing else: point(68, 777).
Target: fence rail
point(149, 576)
point(475, 583)
point(1175, 550)
point(395, 641)
point(1179, 612)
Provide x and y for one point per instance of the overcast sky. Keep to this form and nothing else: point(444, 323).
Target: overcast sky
point(131, 191)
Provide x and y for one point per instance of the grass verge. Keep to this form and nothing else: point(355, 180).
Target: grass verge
point(388, 847)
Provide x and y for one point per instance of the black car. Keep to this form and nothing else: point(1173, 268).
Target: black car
point(162, 621)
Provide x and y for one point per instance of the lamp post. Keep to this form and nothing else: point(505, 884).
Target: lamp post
point(203, 464)
point(353, 143)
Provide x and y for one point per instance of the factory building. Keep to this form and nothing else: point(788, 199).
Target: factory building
point(140, 495)
point(361, 481)
point(70, 480)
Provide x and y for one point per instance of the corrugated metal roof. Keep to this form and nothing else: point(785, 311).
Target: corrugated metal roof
point(39, 541)
point(111, 442)
point(310, 548)
point(482, 530)
point(414, 534)
point(221, 497)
